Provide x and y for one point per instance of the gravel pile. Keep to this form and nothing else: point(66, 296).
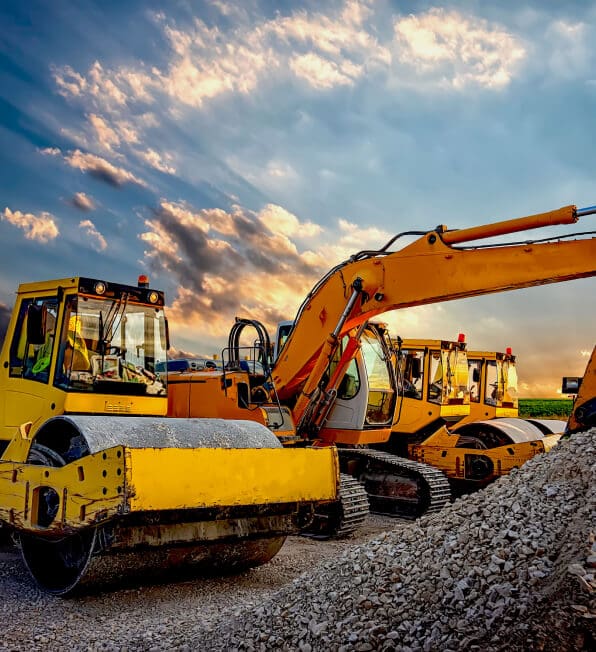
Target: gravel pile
point(509, 568)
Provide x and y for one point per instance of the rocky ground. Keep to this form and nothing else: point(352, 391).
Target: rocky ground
point(509, 568)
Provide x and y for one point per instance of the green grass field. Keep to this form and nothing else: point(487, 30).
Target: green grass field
point(545, 408)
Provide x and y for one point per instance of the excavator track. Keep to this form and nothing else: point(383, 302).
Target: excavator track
point(396, 486)
point(343, 517)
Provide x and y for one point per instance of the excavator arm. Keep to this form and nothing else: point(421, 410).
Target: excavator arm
point(432, 269)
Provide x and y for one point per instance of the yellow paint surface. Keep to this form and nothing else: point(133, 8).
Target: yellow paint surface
point(171, 478)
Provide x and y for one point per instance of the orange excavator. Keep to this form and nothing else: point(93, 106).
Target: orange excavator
point(295, 393)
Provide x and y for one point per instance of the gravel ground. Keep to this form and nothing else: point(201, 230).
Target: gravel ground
point(507, 568)
point(151, 616)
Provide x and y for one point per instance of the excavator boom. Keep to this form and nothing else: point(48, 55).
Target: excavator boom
point(429, 270)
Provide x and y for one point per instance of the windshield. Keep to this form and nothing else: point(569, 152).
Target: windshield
point(111, 346)
point(448, 379)
point(381, 394)
point(501, 384)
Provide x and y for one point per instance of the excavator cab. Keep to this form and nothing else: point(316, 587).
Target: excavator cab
point(366, 396)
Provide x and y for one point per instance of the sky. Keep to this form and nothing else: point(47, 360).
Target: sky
point(236, 151)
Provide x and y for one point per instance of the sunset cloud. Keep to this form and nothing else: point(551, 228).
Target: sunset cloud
point(106, 136)
point(324, 49)
point(243, 263)
point(451, 48)
point(101, 169)
point(157, 161)
point(41, 228)
point(83, 202)
point(96, 239)
point(230, 262)
point(97, 167)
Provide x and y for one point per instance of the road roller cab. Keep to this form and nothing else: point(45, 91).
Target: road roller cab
point(91, 467)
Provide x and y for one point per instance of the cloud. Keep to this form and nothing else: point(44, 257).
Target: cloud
point(4, 320)
point(101, 169)
point(83, 202)
point(50, 151)
point(106, 136)
point(156, 161)
point(69, 82)
point(326, 49)
point(334, 46)
point(570, 52)
point(448, 48)
point(128, 133)
point(323, 73)
point(107, 88)
point(98, 242)
point(272, 176)
point(278, 218)
point(41, 228)
point(229, 263)
point(96, 166)
point(242, 263)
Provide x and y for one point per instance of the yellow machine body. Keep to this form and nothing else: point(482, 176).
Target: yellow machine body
point(448, 452)
point(469, 461)
point(489, 441)
point(121, 481)
point(434, 385)
point(87, 448)
point(226, 395)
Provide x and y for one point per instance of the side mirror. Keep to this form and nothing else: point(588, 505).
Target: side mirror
point(35, 330)
point(571, 385)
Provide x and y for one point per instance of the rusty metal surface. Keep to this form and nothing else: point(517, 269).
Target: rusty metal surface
point(103, 432)
point(120, 536)
point(80, 564)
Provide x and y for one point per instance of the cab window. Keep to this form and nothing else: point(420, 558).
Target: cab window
point(474, 371)
point(33, 341)
point(351, 382)
point(410, 373)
